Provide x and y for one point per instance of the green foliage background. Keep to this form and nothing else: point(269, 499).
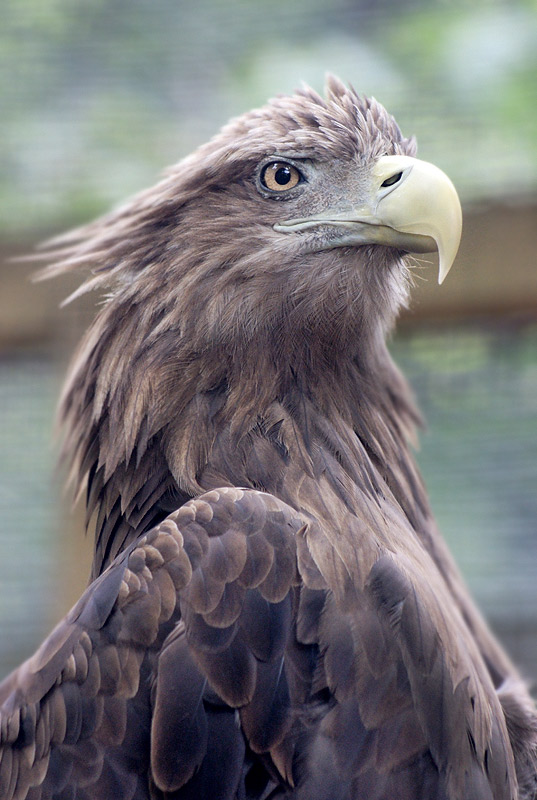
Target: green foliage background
point(97, 97)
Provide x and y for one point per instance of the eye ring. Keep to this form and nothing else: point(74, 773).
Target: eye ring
point(280, 176)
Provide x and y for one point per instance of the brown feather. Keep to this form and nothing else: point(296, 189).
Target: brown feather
point(306, 635)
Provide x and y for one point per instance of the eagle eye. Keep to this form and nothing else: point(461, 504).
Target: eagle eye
point(279, 176)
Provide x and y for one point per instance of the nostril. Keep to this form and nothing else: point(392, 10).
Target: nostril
point(392, 179)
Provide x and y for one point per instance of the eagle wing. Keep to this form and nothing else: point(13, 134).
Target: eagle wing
point(215, 651)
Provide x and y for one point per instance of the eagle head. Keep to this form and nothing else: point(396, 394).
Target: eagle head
point(297, 216)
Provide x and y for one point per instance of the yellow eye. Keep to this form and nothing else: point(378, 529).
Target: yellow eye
point(280, 176)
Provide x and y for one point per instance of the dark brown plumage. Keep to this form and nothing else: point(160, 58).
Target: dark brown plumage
point(273, 612)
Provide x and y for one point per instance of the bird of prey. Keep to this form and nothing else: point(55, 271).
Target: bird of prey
point(272, 612)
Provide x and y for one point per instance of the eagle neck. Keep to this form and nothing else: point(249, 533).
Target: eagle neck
point(350, 423)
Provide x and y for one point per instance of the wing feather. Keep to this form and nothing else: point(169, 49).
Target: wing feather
point(231, 638)
point(66, 718)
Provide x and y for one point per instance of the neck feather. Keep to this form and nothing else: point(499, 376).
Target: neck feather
point(149, 428)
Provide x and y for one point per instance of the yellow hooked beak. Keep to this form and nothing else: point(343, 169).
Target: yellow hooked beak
point(411, 205)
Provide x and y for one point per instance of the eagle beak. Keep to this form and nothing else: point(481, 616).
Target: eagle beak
point(422, 204)
point(411, 205)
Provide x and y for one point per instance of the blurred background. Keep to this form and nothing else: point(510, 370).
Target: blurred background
point(98, 97)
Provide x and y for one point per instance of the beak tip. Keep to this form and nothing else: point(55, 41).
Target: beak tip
point(443, 273)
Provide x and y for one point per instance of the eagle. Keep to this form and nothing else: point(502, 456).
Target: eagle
point(272, 611)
